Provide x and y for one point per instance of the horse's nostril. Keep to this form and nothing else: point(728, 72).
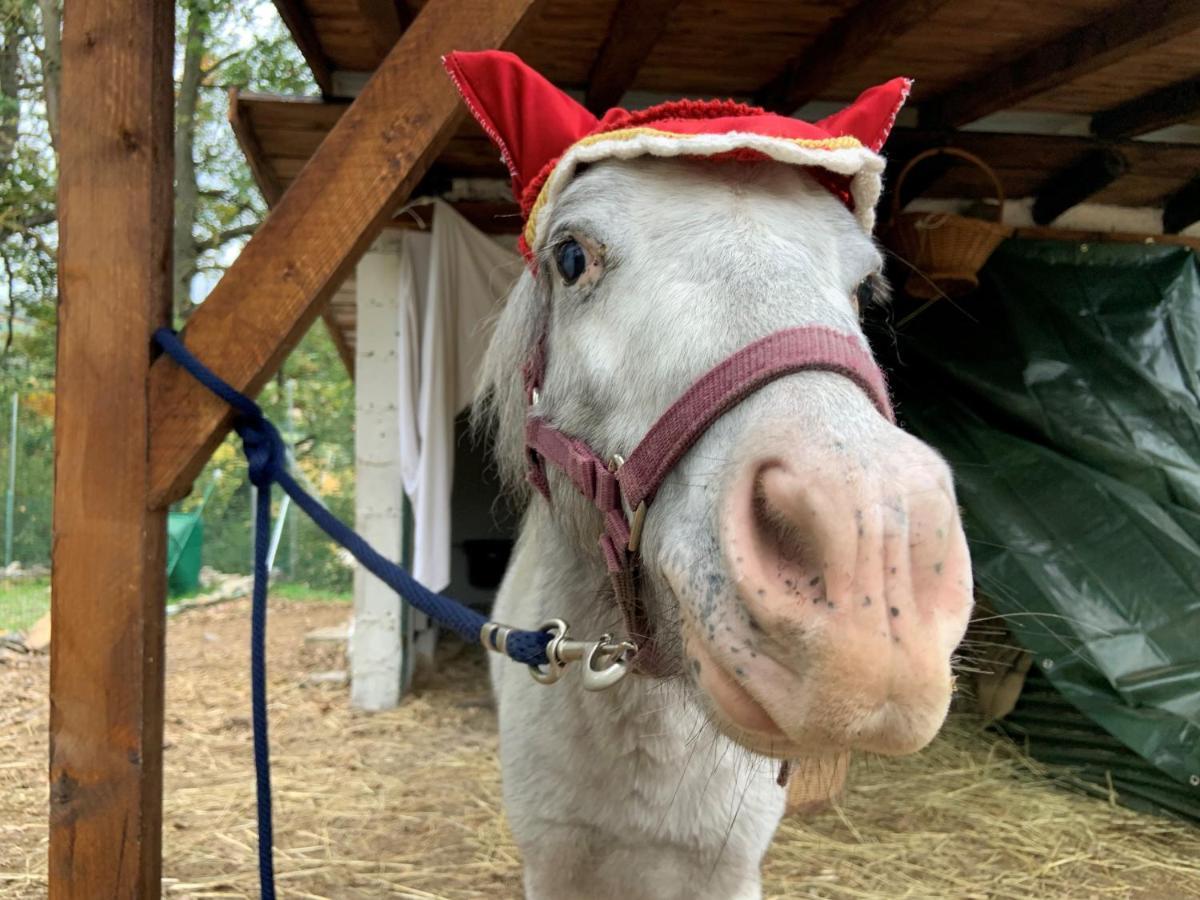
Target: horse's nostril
point(779, 531)
point(777, 524)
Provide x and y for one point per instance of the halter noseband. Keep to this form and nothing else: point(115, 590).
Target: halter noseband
point(617, 485)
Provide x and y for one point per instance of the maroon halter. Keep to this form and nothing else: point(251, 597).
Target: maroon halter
point(617, 485)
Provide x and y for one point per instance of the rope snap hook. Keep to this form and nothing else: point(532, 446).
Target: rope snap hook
point(605, 661)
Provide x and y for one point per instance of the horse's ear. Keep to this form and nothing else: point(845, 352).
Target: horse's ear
point(870, 118)
point(530, 120)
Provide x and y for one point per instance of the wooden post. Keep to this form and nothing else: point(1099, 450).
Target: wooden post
point(382, 640)
point(109, 581)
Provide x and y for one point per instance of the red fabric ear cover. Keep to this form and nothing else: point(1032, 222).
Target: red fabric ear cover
point(870, 118)
point(530, 120)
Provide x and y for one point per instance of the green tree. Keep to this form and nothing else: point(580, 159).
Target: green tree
point(220, 45)
point(28, 240)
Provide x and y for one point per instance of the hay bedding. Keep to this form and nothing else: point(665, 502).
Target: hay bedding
point(405, 803)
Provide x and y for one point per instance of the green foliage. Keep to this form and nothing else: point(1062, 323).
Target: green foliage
point(247, 47)
point(242, 45)
point(321, 428)
point(28, 176)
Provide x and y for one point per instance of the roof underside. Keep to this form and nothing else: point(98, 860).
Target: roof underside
point(1099, 95)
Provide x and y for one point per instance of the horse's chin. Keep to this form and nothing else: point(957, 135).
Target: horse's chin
point(815, 721)
point(889, 729)
point(803, 710)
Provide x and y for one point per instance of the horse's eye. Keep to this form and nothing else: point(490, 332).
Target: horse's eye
point(571, 259)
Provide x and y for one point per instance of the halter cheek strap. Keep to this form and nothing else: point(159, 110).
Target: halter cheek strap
point(617, 486)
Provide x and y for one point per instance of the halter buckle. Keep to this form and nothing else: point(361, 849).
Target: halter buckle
point(605, 661)
point(638, 520)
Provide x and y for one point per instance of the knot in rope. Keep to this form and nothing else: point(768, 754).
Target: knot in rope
point(266, 454)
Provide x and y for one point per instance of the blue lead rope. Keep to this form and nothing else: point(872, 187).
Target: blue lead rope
point(266, 455)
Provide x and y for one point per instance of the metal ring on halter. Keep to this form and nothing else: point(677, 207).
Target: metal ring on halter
point(605, 661)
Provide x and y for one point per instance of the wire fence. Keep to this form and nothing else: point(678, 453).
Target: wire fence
point(27, 471)
point(222, 503)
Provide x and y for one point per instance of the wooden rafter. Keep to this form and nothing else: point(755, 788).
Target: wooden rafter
point(489, 216)
point(345, 351)
point(633, 30)
point(378, 150)
point(1166, 106)
point(298, 22)
point(843, 46)
point(1013, 151)
point(247, 140)
point(385, 20)
point(109, 568)
point(1132, 27)
point(1086, 177)
point(1083, 236)
point(1027, 157)
point(1182, 208)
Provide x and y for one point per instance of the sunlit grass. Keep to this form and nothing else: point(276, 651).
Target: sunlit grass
point(23, 602)
point(297, 591)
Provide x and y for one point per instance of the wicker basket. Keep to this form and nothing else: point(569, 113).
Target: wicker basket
point(945, 250)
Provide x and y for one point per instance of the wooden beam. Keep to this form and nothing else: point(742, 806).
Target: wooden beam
point(385, 20)
point(633, 30)
point(1078, 235)
point(489, 216)
point(1088, 175)
point(1009, 150)
point(1166, 106)
point(1023, 161)
point(1130, 28)
point(297, 20)
point(1182, 208)
point(345, 351)
point(310, 241)
point(109, 572)
point(247, 140)
point(851, 39)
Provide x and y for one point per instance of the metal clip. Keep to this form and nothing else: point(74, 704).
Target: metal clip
point(605, 661)
point(494, 637)
point(638, 520)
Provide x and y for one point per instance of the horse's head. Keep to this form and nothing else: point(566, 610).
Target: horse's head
point(803, 564)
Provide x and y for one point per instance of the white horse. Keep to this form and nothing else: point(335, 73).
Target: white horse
point(804, 568)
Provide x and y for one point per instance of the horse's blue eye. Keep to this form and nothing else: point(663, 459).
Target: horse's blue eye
point(571, 259)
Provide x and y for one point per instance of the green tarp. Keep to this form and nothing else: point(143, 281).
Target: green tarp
point(185, 548)
point(1066, 395)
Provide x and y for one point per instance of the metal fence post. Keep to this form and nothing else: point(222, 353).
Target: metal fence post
point(10, 497)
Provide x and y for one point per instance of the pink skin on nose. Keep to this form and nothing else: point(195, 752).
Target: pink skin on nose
point(855, 587)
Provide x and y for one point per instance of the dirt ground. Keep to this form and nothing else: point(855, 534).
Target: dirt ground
point(405, 803)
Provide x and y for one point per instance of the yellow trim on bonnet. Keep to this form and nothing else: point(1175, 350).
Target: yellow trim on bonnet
point(845, 142)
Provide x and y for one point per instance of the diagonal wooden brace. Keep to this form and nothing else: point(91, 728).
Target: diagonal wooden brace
point(314, 235)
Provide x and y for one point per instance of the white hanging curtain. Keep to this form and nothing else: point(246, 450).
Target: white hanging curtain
point(452, 279)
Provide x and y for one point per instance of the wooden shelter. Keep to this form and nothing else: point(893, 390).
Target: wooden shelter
point(1089, 101)
point(1114, 85)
